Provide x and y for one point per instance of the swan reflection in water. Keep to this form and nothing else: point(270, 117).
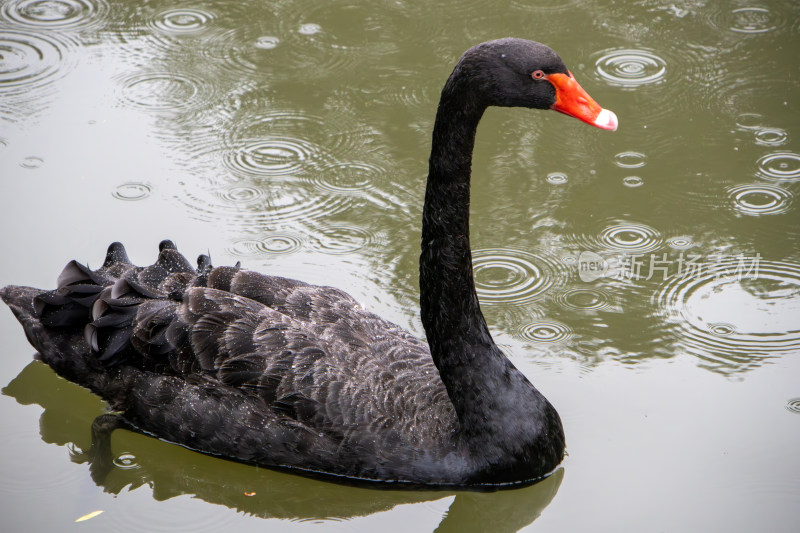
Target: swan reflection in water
point(170, 470)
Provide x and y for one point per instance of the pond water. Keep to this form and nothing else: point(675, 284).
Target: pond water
point(647, 280)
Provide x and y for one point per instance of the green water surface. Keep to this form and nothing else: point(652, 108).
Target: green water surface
point(647, 280)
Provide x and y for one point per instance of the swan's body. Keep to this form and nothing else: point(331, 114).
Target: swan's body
point(281, 373)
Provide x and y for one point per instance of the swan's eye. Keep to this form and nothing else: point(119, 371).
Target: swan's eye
point(537, 74)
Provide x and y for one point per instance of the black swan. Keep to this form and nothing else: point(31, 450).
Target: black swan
point(280, 373)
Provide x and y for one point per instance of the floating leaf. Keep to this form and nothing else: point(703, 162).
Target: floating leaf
point(88, 516)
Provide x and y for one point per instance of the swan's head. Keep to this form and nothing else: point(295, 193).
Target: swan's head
point(520, 73)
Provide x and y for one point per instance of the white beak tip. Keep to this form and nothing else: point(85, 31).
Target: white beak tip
point(606, 120)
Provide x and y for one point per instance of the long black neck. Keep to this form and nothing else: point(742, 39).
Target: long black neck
point(460, 342)
point(449, 303)
point(509, 428)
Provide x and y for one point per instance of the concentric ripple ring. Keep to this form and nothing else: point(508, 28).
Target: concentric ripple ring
point(736, 311)
point(505, 276)
point(784, 166)
point(55, 14)
point(631, 68)
point(759, 199)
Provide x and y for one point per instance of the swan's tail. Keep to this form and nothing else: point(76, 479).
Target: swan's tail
point(61, 348)
point(88, 325)
point(20, 300)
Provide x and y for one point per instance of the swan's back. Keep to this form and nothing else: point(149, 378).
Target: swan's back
point(254, 367)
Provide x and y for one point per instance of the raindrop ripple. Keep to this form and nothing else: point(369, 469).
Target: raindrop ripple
point(507, 276)
point(349, 177)
point(681, 242)
point(281, 202)
point(55, 14)
point(771, 136)
point(580, 299)
point(163, 91)
point(274, 244)
point(632, 181)
point(182, 21)
point(547, 331)
point(783, 166)
point(751, 19)
point(630, 237)
point(759, 199)
point(557, 178)
point(734, 312)
point(342, 239)
point(273, 156)
point(630, 160)
point(29, 62)
point(132, 191)
point(32, 162)
point(126, 461)
point(241, 194)
point(631, 68)
point(793, 405)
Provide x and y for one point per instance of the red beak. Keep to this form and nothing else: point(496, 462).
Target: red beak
point(572, 100)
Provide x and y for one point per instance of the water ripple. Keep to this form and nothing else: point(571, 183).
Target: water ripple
point(275, 243)
point(243, 52)
point(258, 123)
point(164, 91)
point(580, 299)
point(55, 14)
point(126, 461)
point(281, 202)
point(617, 236)
point(759, 199)
point(343, 28)
point(504, 276)
point(630, 68)
point(342, 134)
point(557, 178)
point(749, 121)
point(632, 181)
point(32, 162)
point(547, 331)
point(629, 237)
point(681, 242)
point(349, 177)
point(161, 519)
point(763, 135)
point(771, 136)
point(132, 191)
point(309, 29)
point(182, 21)
point(630, 160)
point(793, 405)
point(784, 166)
point(267, 42)
point(241, 194)
point(29, 62)
point(28, 480)
point(543, 5)
point(734, 312)
point(341, 239)
point(752, 19)
point(408, 95)
point(272, 157)
point(319, 38)
point(722, 329)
